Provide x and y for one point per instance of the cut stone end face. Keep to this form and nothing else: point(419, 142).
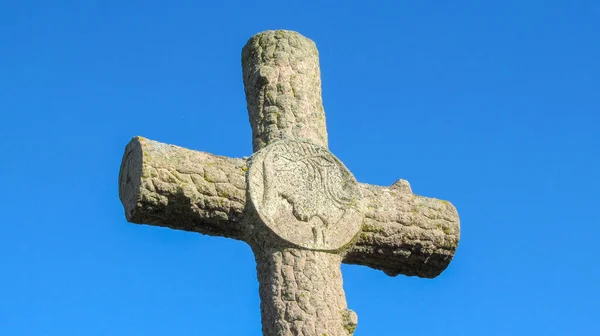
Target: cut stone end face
point(183, 189)
point(304, 195)
point(130, 177)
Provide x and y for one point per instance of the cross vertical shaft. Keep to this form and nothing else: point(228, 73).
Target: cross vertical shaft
point(301, 289)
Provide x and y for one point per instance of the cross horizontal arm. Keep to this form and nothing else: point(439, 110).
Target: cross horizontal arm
point(170, 186)
point(405, 233)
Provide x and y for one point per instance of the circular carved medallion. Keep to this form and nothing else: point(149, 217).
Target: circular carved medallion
point(304, 194)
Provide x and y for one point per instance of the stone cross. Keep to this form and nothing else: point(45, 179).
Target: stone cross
point(299, 208)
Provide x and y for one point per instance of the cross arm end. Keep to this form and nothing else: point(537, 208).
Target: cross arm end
point(404, 233)
point(166, 185)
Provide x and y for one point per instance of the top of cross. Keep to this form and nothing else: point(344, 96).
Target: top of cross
point(282, 82)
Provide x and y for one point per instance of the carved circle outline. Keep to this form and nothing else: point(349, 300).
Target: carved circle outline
point(294, 230)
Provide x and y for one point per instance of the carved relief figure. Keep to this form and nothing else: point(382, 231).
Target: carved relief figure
point(309, 181)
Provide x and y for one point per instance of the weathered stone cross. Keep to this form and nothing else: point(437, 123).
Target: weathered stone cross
point(298, 207)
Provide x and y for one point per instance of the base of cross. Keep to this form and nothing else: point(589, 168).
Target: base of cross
point(301, 293)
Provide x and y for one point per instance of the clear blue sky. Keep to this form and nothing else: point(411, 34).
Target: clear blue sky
point(493, 105)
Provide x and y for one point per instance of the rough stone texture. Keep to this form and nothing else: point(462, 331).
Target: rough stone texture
point(301, 293)
point(282, 82)
point(305, 212)
point(305, 195)
point(404, 233)
point(166, 185)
